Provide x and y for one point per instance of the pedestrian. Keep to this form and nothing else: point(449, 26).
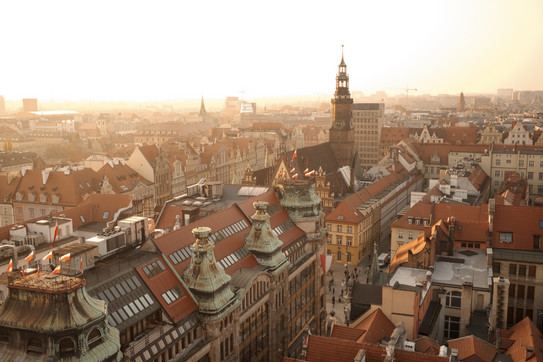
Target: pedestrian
point(334, 291)
point(333, 300)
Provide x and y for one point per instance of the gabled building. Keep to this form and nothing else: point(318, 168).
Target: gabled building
point(8, 187)
point(119, 178)
point(41, 192)
point(153, 164)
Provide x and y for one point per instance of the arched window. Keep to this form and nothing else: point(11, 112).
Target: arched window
point(66, 347)
point(94, 338)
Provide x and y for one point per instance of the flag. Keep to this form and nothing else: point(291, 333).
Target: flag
point(65, 257)
point(56, 271)
point(306, 170)
point(278, 173)
point(56, 235)
point(81, 265)
point(23, 272)
point(310, 173)
point(293, 156)
point(326, 262)
point(30, 256)
point(284, 173)
point(48, 256)
point(295, 175)
point(293, 170)
point(10, 266)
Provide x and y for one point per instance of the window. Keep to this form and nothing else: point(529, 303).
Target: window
point(349, 241)
point(498, 162)
point(506, 237)
point(530, 175)
point(522, 270)
point(540, 176)
point(530, 163)
point(531, 271)
point(496, 266)
point(339, 255)
point(512, 269)
point(94, 338)
point(329, 239)
point(400, 234)
point(349, 257)
point(521, 163)
point(530, 292)
point(410, 235)
point(339, 228)
point(350, 229)
point(508, 161)
point(497, 173)
point(453, 299)
point(452, 327)
point(339, 240)
point(329, 227)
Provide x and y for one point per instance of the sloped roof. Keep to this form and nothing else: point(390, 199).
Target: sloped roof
point(525, 334)
point(71, 186)
point(7, 190)
point(402, 254)
point(473, 349)
point(427, 345)
point(346, 333)
point(122, 178)
point(522, 221)
point(150, 152)
point(377, 327)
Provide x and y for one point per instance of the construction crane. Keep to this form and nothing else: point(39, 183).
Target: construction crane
point(406, 89)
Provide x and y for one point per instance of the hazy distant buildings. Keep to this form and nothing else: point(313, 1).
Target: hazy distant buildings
point(30, 104)
point(2, 105)
point(368, 119)
point(505, 93)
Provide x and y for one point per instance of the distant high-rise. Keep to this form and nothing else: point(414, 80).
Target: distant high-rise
point(505, 94)
point(342, 131)
point(368, 119)
point(2, 105)
point(30, 104)
point(461, 105)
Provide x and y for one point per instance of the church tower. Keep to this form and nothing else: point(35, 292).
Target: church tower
point(342, 131)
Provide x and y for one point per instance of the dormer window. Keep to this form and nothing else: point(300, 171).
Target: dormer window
point(417, 221)
point(31, 197)
point(410, 220)
point(43, 198)
point(56, 198)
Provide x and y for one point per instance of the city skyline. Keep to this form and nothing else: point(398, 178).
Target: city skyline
point(123, 51)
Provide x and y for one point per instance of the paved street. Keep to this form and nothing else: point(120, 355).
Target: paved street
point(337, 273)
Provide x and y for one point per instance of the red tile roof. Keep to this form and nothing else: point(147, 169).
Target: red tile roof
point(163, 282)
point(473, 349)
point(427, 345)
point(150, 152)
point(523, 221)
point(524, 335)
point(8, 189)
point(377, 327)
point(71, 186)
point(121, 177)
point(347, 333)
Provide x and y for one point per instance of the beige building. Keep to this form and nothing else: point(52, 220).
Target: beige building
point(368, 119)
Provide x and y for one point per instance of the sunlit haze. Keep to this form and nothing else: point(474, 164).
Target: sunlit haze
point(165, 50)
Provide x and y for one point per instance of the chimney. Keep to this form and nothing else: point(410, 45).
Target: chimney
point(454, 355)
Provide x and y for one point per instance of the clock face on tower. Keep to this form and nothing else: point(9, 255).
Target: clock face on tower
point(338, 124)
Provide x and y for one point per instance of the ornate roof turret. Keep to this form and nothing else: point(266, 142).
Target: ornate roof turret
point(300, 199)
point(206, 278)
point(262, 242)
point(55, 318)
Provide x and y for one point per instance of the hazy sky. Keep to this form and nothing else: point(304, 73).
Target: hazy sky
point(162, 50)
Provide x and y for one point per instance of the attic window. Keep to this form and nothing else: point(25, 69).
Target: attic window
point(409, 220)
point(88, 184)
point(459, 227)
point(340, 217)
point(106, 215)
point(81, 186)
point(82, 218)
point(506, 238)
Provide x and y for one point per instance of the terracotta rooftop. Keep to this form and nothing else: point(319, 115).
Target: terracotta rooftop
point(427, 345)
point(377, 327)
point(527, 342)
point(346, 333)
point(522, 221)
point(474, 349)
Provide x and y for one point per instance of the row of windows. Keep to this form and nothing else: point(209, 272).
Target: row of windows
point(228, 231)
point(129, 310)
point(340, 227)
point(236, 256)
point(154, 268)
point(116, 291)
point(173, 294)
point(520, 163)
